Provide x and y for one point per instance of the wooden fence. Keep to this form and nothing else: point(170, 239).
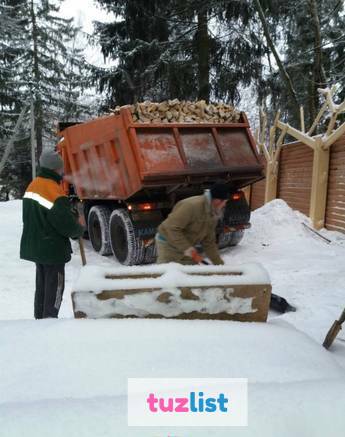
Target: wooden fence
point(335, 206)
point(295, 181)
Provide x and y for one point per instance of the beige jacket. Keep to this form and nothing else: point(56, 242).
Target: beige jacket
point(189, 223)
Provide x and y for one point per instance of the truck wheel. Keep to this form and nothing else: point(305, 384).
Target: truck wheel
point(236, 237)
point(98, 229)
point(224, 240)
point(127, 248)
point(230, 239)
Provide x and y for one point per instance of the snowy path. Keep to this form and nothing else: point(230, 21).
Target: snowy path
point(68, 377)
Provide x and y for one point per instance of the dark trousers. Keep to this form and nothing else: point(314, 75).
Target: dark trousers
point(50, 284)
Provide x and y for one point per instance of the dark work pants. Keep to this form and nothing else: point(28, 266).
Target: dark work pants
point(50, 284)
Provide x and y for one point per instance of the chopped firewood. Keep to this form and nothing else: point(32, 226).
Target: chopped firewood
point(176, 111)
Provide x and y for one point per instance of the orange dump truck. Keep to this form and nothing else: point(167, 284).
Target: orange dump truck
point(127, 176)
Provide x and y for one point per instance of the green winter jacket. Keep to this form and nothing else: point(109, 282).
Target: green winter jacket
point(48, 222)
point(189, 223)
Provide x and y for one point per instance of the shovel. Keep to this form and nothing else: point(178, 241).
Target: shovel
point(334, 331)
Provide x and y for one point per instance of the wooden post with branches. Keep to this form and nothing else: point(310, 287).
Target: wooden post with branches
point(271, 154)
point(319, 143)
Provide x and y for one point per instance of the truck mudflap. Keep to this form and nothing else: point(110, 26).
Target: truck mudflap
point(145, 224)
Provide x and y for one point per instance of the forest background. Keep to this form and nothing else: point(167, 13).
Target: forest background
point(270, 54)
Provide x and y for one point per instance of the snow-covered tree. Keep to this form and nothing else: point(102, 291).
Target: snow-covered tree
point(52, 70)
point(309, 37)
point(187, 49)
point(45, 64)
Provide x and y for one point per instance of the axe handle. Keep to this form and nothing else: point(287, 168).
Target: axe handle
point(342, 317)
point(206, 263)
point(82, 251)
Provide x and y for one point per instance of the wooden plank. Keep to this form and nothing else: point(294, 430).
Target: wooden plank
point(295, 199)
point(291, 161)
point(258, 195)
point(340, 224)
point(336, 197)
point(294, 194)
point(296, 157)
point(295, 190)
point(296, 150)
point(335, 228)
point(300, 185)
point(295, 176)
point(287, 162)
point(336, 203)
point(333, 216)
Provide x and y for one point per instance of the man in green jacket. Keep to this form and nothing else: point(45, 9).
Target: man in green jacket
point(192, 221)
point(48, 223)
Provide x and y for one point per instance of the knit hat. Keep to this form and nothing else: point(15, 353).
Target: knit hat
point(51, 160)
point(220, 191)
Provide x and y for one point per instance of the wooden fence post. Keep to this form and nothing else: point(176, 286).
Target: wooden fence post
point(320, 144)
point(318, 197)
point(271, 181)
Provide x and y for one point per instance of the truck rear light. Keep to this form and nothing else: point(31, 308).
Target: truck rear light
point(146, 206)
point(237, 196)
point(141, 206)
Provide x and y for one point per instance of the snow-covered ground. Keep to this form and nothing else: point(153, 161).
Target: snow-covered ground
point(68, 377)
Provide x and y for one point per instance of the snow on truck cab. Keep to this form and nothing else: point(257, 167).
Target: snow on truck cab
point(126, 172)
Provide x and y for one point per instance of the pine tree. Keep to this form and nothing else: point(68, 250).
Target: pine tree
point(52, 68)
point(47, 67)
point(11, 45)
point(10, 48)
point(178, 49)
point(311, 42)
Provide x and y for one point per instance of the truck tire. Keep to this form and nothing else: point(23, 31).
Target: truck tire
point(230, 239)
point(127, 248)
point(98, 229)
point(236, 237)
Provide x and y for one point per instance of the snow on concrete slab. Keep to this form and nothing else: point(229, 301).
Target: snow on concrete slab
point(214, 293)
point(170, 275)
point(71, 375)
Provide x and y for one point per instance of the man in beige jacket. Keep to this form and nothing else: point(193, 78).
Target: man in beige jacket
point(192, 221)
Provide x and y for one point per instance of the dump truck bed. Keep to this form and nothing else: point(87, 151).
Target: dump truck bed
point(113, 158)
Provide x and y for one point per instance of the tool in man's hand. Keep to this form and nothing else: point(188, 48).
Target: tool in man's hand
point(78, 217)
point(194, 254)
point(333, 331)
point(82, 251)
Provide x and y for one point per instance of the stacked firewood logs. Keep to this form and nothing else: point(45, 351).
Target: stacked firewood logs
point(181, 111)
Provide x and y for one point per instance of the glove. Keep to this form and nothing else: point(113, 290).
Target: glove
point(79, 218)
point(194, 254)
point(74, 210)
